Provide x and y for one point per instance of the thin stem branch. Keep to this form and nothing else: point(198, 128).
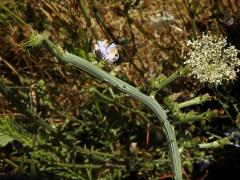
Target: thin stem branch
point(179, 73)
point(196, 117)
point(215, 144)
point(195, 101)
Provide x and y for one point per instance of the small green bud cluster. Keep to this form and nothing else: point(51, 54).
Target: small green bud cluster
point(212, 60)
point(36, 38)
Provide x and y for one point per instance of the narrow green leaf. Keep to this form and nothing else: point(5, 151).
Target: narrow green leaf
point(5, 139)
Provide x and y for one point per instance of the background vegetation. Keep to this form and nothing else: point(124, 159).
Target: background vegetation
point(110, 132)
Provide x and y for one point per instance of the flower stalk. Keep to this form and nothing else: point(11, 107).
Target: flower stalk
point(215, 144)
point(195, 101)
point(174, 76)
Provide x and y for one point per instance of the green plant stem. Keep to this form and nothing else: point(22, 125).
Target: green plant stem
point(11, 163)
point(215, 144)
point(198, 117)
point(168, 129)
point(195, 101)
point(179, 73)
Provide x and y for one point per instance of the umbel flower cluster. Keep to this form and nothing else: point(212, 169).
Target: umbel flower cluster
point(212, 60)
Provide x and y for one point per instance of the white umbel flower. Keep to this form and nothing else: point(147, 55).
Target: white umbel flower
point(212, 60)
